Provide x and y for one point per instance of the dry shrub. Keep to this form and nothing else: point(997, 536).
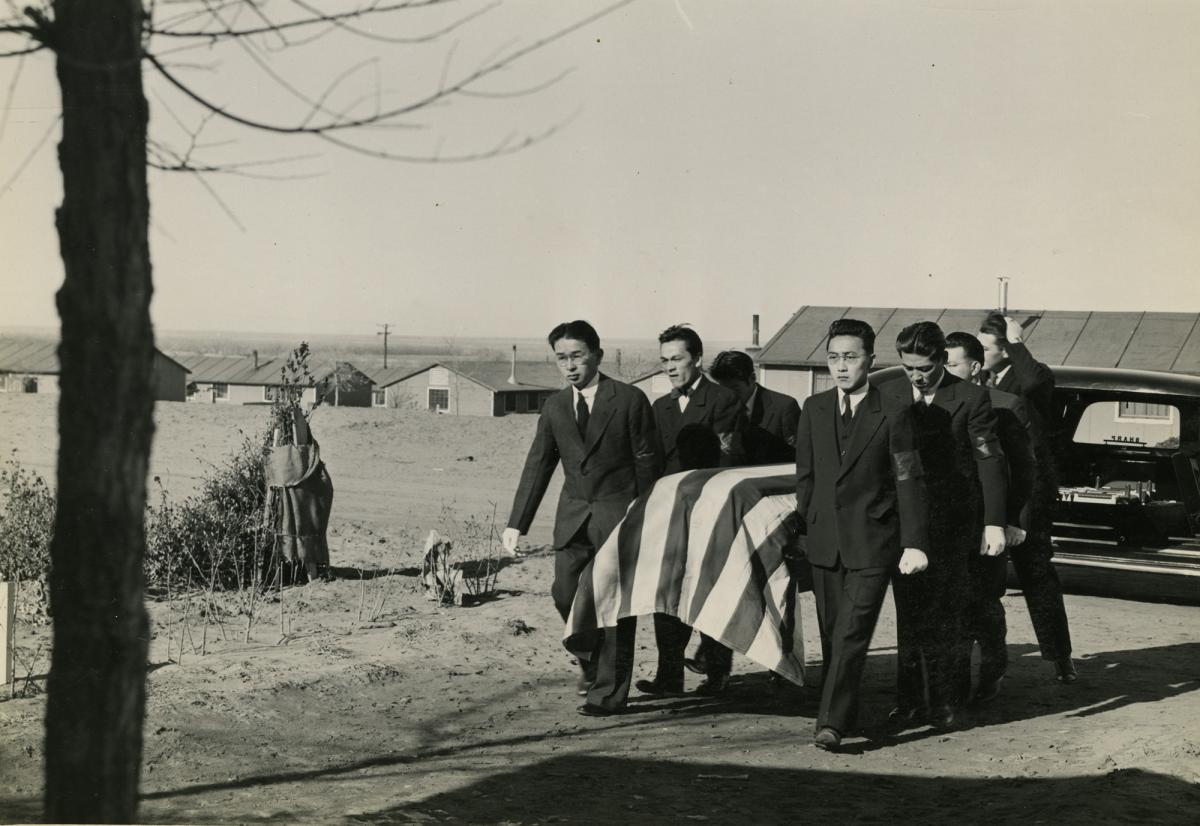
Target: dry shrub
point(217, 537)
point(26, 526)
point(26, 523)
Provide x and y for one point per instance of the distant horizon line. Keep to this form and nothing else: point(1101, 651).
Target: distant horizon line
point(193, 333)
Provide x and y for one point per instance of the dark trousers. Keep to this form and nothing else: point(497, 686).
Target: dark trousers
point(985, 622)
point(671, 636)
point(848, 604)
point(930, 631)
point(610, 667)
point(713, 657)
point(1043, 594)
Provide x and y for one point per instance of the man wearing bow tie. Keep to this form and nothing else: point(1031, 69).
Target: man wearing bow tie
point(699, 425)
point(602, 432)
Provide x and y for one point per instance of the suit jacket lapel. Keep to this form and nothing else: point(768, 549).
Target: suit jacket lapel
point(946, 396)
point(758, 410)
point(603, 406)
point(567, 411)
point(825, 420)
point(867, 420)
point(1008, 383)
point(696, 404)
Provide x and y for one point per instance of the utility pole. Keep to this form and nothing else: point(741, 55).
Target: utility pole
point(384, 333)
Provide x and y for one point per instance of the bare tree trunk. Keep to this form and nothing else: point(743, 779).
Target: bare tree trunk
point(97, 676)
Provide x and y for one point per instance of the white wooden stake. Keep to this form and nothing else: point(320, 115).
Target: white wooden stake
point(8, 623)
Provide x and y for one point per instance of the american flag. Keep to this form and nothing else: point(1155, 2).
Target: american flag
point(706, 546)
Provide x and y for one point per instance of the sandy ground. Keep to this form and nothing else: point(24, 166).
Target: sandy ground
point(404, 712)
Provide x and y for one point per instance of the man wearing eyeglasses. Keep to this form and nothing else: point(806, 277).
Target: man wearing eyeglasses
point(860, 497)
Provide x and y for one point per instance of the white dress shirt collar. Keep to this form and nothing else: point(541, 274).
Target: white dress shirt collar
point(928, 397)
point(750, 401)
point(683, 400)
point(588, 392)
point(856, 398)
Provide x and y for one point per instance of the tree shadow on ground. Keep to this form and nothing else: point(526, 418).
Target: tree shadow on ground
point(593, 789)
point(602, 790)
point(1108, 681)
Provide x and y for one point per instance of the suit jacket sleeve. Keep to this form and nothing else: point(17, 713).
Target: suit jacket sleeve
point(1034, 380)
point(909, 475)
point(791, 420)
point(643, 438)
point(535, 478)
point(804, 466)
point(1017, 440)
point(989, 460)
point(728, 423)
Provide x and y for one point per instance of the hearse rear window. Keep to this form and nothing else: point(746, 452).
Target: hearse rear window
point(1131, 423)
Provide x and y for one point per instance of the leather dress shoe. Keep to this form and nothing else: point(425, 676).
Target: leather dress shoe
point(988, 690)
point(902, 717)
point(827, 738)
point(659, 689)
point(713, 686)
point(697, 664)
point(1064, 670)
point(944, 718)
point(593, 710)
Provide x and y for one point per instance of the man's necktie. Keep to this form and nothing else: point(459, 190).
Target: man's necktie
point(676, 392)
point(581, 414)
point(847, 413)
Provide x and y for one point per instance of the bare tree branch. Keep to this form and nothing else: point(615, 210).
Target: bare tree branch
point(12, 179)
point(505, 147)
point(317, 19)
point(441, 93)
point(22, 52)
point(516, 93)
point(247, 46)
point(408, 41)
point(160, 162)
point(8, 97)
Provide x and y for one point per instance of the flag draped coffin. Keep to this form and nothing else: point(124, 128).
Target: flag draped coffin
point(706, 546)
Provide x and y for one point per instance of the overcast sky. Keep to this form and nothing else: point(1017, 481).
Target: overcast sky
point(716, 159)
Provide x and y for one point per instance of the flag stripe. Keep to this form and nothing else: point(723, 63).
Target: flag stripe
point(705, 546)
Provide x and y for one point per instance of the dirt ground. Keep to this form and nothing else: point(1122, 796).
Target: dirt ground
point(378, 706)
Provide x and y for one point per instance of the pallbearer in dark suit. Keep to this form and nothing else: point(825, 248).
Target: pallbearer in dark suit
point(989, 574)
point(602, 433)
point(769, 437)
point(1013, 369)
point(860, 497)
point(700, 425)
point(771, 417)
point(966, 480)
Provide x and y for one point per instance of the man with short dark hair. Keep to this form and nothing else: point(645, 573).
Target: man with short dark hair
point(771, 417)
point(769, 437)
point(986, 622)
point(862, 506)
point(602, 433)
point(965, 477)
point(1013, 369)
point(699, 425)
